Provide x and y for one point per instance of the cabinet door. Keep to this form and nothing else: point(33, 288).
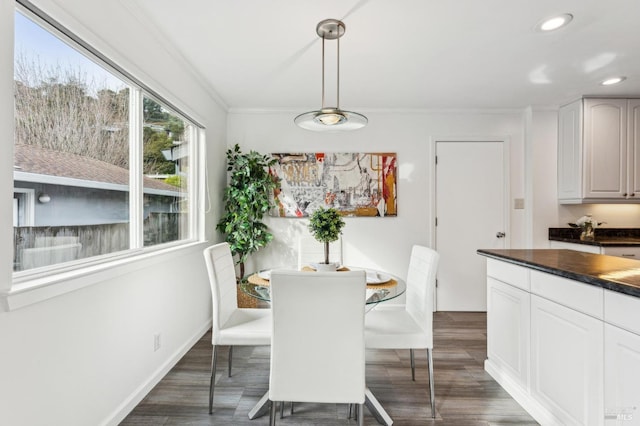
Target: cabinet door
point(628, 252)
point(570, 153)
point(567, 362)
point(508, 336)
point(622, 377)
point(605, 145)
point(633, 138)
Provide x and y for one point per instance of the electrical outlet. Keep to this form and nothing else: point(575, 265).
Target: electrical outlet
point(156, 342)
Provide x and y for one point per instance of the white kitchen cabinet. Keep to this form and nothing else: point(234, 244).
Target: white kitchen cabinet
point(567, 360)
point(628, 252)
point(633, 138)
point(570, 153)
point(599, 151)
point(605, 148)
point(588, 248)
point(622, 359)
point(622, 377)
point(508, 328)
point(623, 311)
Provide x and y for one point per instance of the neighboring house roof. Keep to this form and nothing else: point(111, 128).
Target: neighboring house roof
point(36, 160)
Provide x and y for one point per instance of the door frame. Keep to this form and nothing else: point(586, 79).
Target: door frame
point(506, 159)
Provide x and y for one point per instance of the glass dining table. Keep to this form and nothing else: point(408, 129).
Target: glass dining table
point(381, 287)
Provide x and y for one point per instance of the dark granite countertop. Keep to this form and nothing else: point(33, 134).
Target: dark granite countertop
point(604, 237)
point(609, 272)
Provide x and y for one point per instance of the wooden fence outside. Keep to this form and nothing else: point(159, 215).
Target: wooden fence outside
point(36, 246)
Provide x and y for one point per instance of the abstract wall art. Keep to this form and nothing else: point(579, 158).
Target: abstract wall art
point(356, 184)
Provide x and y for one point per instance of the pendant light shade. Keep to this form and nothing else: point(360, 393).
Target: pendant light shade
point(328, 119)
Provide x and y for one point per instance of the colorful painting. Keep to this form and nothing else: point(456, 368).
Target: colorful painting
point(356, 184)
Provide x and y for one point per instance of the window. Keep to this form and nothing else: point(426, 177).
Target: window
point(101, 163)
point(166, 139)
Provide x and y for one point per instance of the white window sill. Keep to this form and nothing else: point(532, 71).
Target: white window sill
point(37, 288)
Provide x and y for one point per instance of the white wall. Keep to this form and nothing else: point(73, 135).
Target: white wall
point(543, 161)
point(380, 242)
point(86, 357)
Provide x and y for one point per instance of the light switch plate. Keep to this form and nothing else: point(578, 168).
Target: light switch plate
point(518, 203)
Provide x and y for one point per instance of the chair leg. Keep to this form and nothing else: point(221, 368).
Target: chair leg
point(413, 365)
point(360, 415)
point(292, 407)
point(214, 359)
point(282, 410)
point(350, 410)
point(272, 413)
point(230, 359)
point(431, 384)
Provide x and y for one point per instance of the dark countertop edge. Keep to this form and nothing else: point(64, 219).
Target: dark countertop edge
point(606, 243)
point(604, 237)
point(583, 278)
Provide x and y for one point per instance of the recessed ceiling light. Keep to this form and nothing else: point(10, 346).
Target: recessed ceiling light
point(613, 80)
point(554, 22)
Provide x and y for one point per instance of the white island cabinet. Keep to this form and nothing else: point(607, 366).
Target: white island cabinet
point(567, 351)
point(622, 359)
point(567, 362)
point(508, 324)
point(622, 379)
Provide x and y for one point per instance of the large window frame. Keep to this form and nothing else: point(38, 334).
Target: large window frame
point(24, 282)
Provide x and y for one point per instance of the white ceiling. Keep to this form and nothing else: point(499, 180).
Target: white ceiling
point(405, 54)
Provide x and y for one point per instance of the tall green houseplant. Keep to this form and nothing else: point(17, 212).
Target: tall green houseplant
point(246, 201)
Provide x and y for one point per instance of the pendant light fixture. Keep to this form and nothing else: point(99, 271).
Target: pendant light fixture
point(331, 118)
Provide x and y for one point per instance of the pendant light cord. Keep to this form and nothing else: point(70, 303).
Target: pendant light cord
point(322, 71)
point(338, 74)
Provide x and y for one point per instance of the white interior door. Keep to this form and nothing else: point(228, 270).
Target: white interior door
point(470, 214)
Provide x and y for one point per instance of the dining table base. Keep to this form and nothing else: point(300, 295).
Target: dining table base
point(261, 408)
point(374, 406)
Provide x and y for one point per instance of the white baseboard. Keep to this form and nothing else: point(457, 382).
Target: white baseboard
point(138, 395)
point(521, 395)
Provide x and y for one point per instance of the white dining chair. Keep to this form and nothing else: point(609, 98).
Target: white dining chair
point(317, 346)
point(311, 251)
point(409, 326)
point(232, 326)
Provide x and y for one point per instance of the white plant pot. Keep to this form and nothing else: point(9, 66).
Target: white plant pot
point(326, 267)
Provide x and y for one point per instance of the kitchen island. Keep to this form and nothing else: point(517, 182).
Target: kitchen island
point(563, 334)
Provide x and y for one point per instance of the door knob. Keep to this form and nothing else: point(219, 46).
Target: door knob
point(500, 235)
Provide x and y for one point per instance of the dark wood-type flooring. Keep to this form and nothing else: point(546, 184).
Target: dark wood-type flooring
point(465, 393)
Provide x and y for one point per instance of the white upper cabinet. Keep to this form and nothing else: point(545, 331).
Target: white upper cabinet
point(633, 138)
point(570, 153)
point(599, 151)
point(605, 148)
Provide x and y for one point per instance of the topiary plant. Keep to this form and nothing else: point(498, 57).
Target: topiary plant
point(246, 201)
point(326, 226)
